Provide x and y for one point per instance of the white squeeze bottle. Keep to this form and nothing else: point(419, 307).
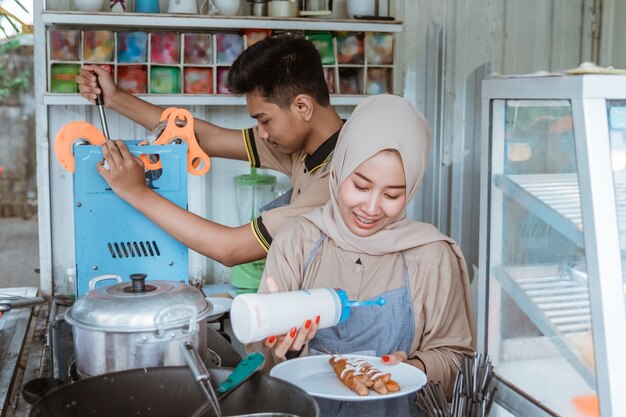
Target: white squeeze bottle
point(255, 317)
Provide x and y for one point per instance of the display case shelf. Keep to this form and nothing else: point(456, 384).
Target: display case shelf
point(555, 198)
point(557, 306)
point(192, 21)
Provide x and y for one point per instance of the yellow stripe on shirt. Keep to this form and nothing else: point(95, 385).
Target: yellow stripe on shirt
point(259, 236)
point(326, 161)
point(248, 144)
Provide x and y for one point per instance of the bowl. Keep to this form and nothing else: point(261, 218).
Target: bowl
point(282, 8)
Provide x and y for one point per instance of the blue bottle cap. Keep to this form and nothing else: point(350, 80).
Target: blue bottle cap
point(346, 304)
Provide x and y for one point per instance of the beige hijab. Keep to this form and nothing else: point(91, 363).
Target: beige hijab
point(377, 123)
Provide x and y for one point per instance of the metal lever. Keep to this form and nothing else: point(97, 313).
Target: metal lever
point(100, 104)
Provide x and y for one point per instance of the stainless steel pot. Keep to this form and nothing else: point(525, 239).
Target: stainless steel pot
point(136, 325)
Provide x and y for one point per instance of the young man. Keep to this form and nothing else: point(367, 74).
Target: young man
point(283, 81)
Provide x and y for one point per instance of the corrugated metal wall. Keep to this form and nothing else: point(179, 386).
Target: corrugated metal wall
point(454, 45)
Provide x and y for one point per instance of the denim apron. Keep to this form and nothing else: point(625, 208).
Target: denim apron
point(374, 331)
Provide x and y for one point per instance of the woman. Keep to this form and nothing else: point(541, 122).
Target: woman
point(362, 242)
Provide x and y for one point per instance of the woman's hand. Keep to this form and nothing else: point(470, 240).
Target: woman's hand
point(295, 339)
point(125, 174)
point(401, 356)
point(89, 78)
point(394, 358)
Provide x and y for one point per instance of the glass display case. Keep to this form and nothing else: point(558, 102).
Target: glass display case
point(551, 308)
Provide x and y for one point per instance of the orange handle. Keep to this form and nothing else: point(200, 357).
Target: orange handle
point(148, 164)
point(70, 133)
point(198, 162)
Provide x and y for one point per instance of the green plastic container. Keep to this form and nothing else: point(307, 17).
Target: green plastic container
point(63, 78)
point(252, 191)
point(165, 80)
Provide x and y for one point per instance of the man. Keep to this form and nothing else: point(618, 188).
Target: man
point(283, 81)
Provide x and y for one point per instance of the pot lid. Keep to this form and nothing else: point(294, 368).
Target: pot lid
point(139, 306)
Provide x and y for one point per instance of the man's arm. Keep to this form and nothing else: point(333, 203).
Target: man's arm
point(214, 140)
point(227, 245)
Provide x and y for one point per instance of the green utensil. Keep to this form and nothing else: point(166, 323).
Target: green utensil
point(248, 366)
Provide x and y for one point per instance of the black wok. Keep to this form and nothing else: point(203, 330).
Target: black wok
point(170, 392)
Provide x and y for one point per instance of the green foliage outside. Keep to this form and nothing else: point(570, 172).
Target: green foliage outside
point(11, 82)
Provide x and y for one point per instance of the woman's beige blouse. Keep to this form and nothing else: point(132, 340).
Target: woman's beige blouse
point(442, 325)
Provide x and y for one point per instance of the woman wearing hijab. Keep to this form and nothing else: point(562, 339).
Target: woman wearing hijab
point(362, 242)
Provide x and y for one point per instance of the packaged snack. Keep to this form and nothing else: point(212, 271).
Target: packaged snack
point(378, 81)
point(222, 74)
point(229, 47)
point(329, 75)
point(198, 80)
point(98, 46)
point(350, 48)
point(132, 47)
point(64, 44)
point(323, 41)
point(198, 49)
point(379, 48)
point(164, 48)
point(164, 80)
point(255, 35)
point(350, 81)
point(132, 78)
point(62, 78)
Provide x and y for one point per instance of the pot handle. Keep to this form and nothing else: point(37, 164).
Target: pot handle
point(95, 280)
point(160, 321)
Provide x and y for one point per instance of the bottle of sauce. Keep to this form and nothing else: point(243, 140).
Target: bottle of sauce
point(257, 316)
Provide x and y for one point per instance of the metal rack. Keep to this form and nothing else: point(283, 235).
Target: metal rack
point(555, 198)
point(556, 305)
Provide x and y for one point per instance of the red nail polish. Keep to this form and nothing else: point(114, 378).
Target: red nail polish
point(317, 320)
point(307, 324)
point(293, 331)
point(385, 358)
point(271, 339)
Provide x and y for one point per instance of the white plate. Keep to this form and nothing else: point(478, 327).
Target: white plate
point(316, 376)
point(220, 306)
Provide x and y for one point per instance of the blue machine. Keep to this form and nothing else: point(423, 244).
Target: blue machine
point(110, 236)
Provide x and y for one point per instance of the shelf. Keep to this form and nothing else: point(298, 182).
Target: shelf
point(52, 99)
point(555, 198)
point(192, 21)
point(557, 306)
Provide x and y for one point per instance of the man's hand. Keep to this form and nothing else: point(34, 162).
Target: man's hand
point(125, 174)
point(88, 79)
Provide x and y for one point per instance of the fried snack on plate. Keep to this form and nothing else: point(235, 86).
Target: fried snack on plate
point(350, 376)
point(360, 376)
point(383, 384)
